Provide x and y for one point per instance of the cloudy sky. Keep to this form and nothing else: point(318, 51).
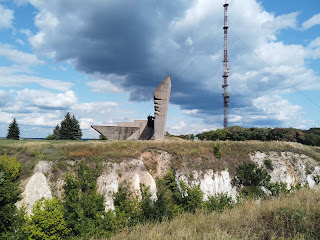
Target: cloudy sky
point(102, 59)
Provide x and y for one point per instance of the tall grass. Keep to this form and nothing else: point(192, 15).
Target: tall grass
point(193, 155)
point(294, 216)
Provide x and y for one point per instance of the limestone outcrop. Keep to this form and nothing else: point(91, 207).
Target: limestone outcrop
point(290, 168)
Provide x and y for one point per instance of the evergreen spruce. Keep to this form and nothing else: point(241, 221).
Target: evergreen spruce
point(13, 131)
point(56, 133)
point(76, 128)
point(69, 129)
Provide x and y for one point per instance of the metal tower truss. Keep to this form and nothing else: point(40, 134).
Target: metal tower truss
point(226, 68)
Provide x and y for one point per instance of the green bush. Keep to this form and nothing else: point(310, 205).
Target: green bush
point(268, 164)
point(278, 188)
point(217, 150)
point(219, 202)
point(83, 207)
point(250, 178)
point(126, 207)
point(47, 221)
point(9, 194)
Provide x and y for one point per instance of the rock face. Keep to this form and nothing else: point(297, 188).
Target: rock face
point(132, 172)
point(161, 101)
point(290, 168)
point(37, 187)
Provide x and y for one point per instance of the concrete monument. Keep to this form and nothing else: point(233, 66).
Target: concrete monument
point(143, 129)
point(161, 101)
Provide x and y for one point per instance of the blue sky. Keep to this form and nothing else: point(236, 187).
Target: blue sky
point(102, 59)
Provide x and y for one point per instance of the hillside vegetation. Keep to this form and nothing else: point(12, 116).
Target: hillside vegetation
point(294, 216)
point(176, 211)
point(193, 154)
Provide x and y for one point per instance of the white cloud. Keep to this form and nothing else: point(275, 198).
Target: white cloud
point(315, 20)
point(14, 80)
point(189, 42)
point(275, 24)
point(47, 100)
point(3, 97)
point(17, 56)
point(190, 112)
point(6, 17)
point(26, 32)
point(278, 108)
point(85, 123)
point(313, 49)
point(106, 83)
point(95, 109)
point(20, 41)
point(46, 19)
point(5, 70)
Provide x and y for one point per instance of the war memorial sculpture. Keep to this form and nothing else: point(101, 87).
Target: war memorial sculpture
point(143, 129)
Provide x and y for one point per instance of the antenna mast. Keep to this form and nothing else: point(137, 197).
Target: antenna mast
point(226, 67)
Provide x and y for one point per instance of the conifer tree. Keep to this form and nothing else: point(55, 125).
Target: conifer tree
point(69, 129)
point(56, 133)
point(76, 128)
point(13, 130)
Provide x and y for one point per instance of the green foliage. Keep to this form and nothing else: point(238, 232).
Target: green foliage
point(56, 133)
point(9, 194)
point(13, 130)
point(184, 198)
point(83, 206)
point(236, 133)
point(219, 202)
point(69, 129)
point(268, 164)
point(278, 188)
point(126, 207)
point(147, 204)
point(291, 222)
point(190, 198)
point(251, 178)
point(217, 150)
point(47, 221)
point(49, 137)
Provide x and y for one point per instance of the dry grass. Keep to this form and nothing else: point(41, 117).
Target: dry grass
point(185, 154)
point(286, 217)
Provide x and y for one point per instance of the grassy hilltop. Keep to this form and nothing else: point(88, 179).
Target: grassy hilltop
point(192, 154)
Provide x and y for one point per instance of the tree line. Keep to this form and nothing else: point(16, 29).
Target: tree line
point(69, 129)
point(236, 133)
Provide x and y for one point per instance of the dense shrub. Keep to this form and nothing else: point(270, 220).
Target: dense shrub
point(217, 150)
point(9, 194)
point(83, 207)
point(250, 178)
point(47, 221)
point(219, 202)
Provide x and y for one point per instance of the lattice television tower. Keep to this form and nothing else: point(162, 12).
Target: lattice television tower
point(226, 68)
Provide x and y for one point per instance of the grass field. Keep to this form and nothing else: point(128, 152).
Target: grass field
point(295, 216)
